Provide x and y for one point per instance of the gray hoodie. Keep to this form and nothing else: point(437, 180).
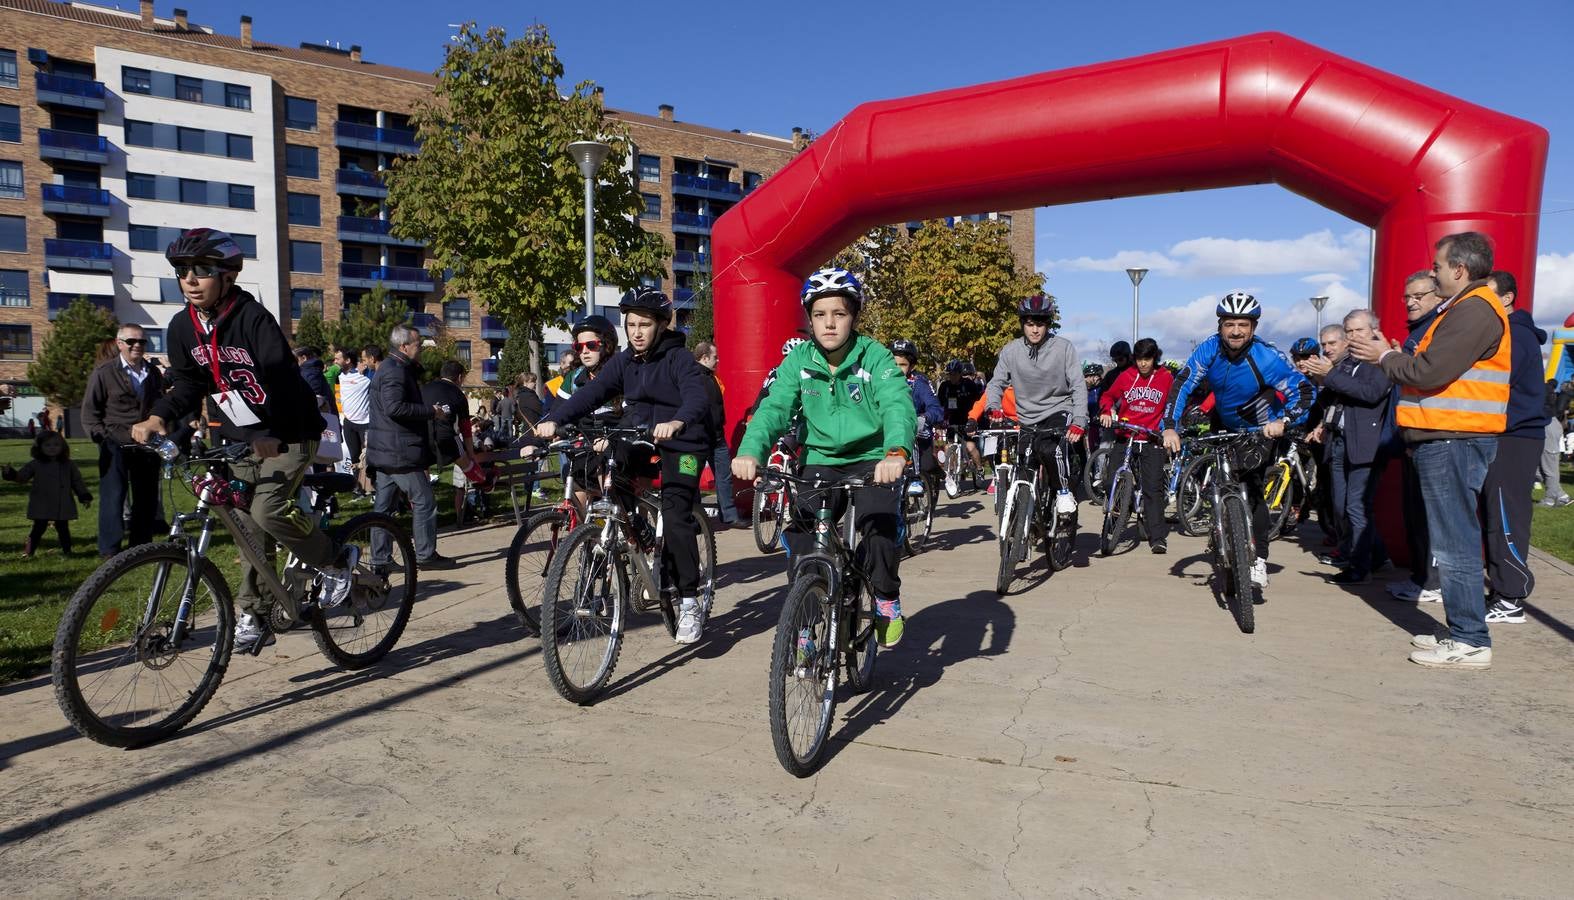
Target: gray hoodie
point(1048, 383)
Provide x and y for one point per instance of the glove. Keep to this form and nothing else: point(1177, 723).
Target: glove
point(1074, 432)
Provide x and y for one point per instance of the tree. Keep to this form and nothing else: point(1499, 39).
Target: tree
point(516, 358)
point(69, 353)
point(367, 323)
point(309, 330)
point(702, 319)
point(442, 350)
point(494, 193)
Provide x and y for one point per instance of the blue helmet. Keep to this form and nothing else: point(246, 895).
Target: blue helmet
point(1304, 347)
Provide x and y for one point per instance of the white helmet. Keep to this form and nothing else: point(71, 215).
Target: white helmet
point(791, 343)
point(1239, 305)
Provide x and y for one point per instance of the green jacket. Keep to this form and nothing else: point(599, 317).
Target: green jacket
point(859, 413)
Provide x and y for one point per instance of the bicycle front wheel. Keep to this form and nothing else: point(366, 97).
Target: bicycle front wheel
point(767, 519)
point(1278, 495)
point(1095, 480)
point(1193, 499)
point(369, 622)
point(803, 677)
point(1013, 538)
point(584, 609)
point(1238, 561)
point(1113, 536)
point(529, 556)
point(122, 676)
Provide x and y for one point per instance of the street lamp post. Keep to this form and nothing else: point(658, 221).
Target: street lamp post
point(1136, 275)
point(1318, 303)
point(589, 154)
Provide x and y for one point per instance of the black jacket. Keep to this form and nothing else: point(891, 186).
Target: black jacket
point(716, 418)
point(398, 437)
point(661, 385)
point(1365, 395)
point(55, 481)
point(257, 366)
point(1527, 392)
point(311, 373)
point(110, 405)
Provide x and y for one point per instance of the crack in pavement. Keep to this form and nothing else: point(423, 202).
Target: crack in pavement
point(1016, 839)
point(1147, 824)
point(1060, 636)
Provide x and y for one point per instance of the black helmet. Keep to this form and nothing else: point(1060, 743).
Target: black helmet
point(599, 326)
point(1092, 369)
point(957, 366)
point(205, 246)
point(1120, 350)
point(649, 301)
point(1304, 347)
point(1035, 306)
point(903, 347)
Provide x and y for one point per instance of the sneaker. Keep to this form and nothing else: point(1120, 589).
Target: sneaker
point(1506, 611)
point(1410, 592)
point(1562, 501)
point(688, 621)
point(951, 488)
point(1260, 572)
point(437, 561)
point(335, 580)
point(1333, 559)
point(1065, 504)
point(888, 621)
point(27, 548)
point(248, 631)
point(1348, 576)
point(1159, 548)
point(1448, 653)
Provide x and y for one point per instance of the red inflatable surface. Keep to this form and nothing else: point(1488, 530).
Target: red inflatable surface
point(1407, 160)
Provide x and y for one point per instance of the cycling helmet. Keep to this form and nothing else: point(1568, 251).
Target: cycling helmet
point(1120, 350)
point(790, 344)
point(956, 366)
point(1239, 305)
point(1093, 369)
point(599, 326)
point(205, 245)
point(649, 301)
point(1304, 347)
point(901, 347)
point(833, 282)
point(1038, 305)
point(967, 368)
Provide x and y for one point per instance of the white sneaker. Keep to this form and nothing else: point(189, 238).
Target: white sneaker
point(1260, 572)
point(335, 588)
point(1451, 654)
point(1506, 611)
point(950, 487)
point(1065, 503)
point(248, 632)
point(688, 621)
point(1410, 592)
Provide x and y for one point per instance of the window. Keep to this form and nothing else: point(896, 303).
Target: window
point(300, 299)
point(13, 234)
point(13, 288)
point(155, 338)
point(650, 281)
point(649, 168)
point(243, 196)
point(751, 180)
point(7, 68)
point(462, 350)
point(305, 209)
point(188, 88)
point(136, 81)
point(169, 291)
point(1005, 219)
point(300, 162)
point(191, 140)
point(306, 256)
point(16, 342)
point(144, 237)
point(238, 146)
point(193, 191)
point(248, 244)
point(141, 187)
point(300, 113)
point(11, 180)
point(456, 313)
point(652, 206)
point(139, 134)
point(10, 123)
point(237, 96)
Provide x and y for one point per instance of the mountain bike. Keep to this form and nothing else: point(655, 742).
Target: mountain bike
point(1124, 495)
point(827, 623)
point(1029, 515)
point(1005, 442)
point(1193, 486)
point(536, 542)
point(611, 563)
point(957, 461)
point(919, 496)
point(1290, 484)
point(1230, 543)
point(146, 639)
point(771, 512)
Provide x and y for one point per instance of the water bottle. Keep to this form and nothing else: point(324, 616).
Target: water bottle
point(164, 447)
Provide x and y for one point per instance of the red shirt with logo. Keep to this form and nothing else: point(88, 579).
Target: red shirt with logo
point(1138, 398)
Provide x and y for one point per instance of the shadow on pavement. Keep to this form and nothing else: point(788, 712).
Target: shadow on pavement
point(753, 615)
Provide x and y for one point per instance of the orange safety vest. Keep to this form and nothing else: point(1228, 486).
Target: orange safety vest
point(1475, 402)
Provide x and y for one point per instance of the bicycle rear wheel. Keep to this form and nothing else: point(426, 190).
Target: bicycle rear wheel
point(1238, 561)
point(361, 630)
point(1278, 494)
point(119, 676)
point(953, 469)
point(804, 660)
point(529, 556)
point(1101, 463)
point(1193, 500)
point(1013, 539)
point(916, 512)
point(584, 609)
point(1113, 536)
point(862, 644)
point(767, 518)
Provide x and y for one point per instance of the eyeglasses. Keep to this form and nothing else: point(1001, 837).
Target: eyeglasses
point(1418, 297)
point(587, 345)
point(201, 270)
point(134, 342)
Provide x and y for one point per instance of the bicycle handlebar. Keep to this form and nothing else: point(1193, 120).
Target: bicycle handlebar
point(842, 484)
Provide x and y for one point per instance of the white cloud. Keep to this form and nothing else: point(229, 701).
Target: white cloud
point(1213, 257)
point(1125, 259)
point(1554, 288)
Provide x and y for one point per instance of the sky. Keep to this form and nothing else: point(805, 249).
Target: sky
point(770, 67)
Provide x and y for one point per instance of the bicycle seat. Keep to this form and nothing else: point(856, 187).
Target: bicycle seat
point(329, 482)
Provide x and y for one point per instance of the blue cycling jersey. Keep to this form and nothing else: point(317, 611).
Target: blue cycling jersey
point(1244, 397)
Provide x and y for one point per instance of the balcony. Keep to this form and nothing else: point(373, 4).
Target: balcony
point(687, 221)
point(361, 184)
point(79, 93)
point(687, 259)
point(699, 186)
point(76, 201)
point(59, 302)
point(370, 137)
point(681, 296)
point(371, 231)
point(425, 323)
point(91, 255)
point(493, 329)
point(73, 147)
point(488, 370)
point(395, 278)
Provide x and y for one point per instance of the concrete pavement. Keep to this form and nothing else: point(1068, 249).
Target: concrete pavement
point(1106, 731)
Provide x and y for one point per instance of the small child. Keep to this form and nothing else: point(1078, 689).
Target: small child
point(55, 479)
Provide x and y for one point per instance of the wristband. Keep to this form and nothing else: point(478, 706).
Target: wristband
point(898, 451)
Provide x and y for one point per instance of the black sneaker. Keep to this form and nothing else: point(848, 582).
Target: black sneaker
point(437, 561)
point(1333, 559)
point(1159, 548)
point(1348, 576)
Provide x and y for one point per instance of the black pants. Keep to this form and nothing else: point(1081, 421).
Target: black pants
point(1422, 571)
point(123, 472)
point(680, 492)
point(355, 442)
point(1151, 458)
point(876, 516)
point(1505, 496)
point(62, 531)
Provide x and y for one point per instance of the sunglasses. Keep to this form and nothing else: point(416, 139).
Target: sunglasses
point(134, 342)
point(587, 345)
point(201, 270)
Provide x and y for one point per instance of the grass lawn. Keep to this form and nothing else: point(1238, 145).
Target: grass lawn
point(1552, 530)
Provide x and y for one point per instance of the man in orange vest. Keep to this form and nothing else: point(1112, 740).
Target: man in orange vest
point(1453, 404)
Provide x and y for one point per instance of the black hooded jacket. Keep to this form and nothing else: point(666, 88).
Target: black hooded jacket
point(1527, 392)
point(661, 385)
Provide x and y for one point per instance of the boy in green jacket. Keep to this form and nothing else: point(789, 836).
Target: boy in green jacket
point(858, 422)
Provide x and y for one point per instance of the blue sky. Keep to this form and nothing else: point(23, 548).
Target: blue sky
point(769, 67)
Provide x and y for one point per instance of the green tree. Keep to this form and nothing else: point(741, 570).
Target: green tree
point(69, 353)
point(516, 358)
point(442, 350)
point(494, 193)
point(367, 323)
point(309, 330)
point(702, 319)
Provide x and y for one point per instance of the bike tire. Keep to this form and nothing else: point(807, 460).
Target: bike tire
point(139, 656)
point(915, 516)
point(529, 557)
point(1112, 537)
point(1193, 502)
point(1238, 562)
point(1276, 495)
point(803, 678)
point(767, 519)
point(584, 611)
point(862, 642)
point(1013, 540)
point(1095, 480)
point(953, 468)
point(705, 542)
point(1060, 547)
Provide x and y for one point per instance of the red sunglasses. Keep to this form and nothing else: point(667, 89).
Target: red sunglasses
point(587, 345)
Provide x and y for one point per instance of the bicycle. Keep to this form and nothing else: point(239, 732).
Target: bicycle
point(1230, 541)
point(826, 621)
point(1028, 515)
point(611, 562)
point(1125, 492)
point(1003, 441)
point(918, 507)
point(957, 461)
point(1194, 488)
point(535, 543)
point(1289, 486)
point(146, 640)
point(771, 513)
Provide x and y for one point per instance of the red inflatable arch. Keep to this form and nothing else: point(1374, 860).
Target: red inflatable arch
point(1407, 160)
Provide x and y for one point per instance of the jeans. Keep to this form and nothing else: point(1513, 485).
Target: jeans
point(721, 469)
point(1452, 473)
point(1505, 501)
point(123, 472)
point(1423, 569)
point(418, 488)
point(1353, 491)
point(1550, 475)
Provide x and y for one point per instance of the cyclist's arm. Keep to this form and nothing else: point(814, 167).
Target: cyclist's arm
point(772, 417)
point(1288, 380)
point(1175, 405)
point(1107, 398)
point(693, 383)
point(1366, 384)
point(189, 382)
point(591, 395)
point(933, 413)
point(1079, 391)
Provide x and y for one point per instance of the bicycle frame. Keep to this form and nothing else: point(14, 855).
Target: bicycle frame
point(1134, 435)
point(831, 552)
point(1037, 498)
point(1226, 482)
